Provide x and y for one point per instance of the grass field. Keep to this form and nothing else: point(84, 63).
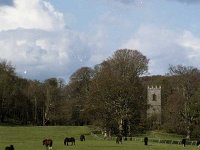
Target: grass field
point(30, 138)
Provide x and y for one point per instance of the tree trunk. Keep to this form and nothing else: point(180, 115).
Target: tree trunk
point(189, 130)
point(120, 124)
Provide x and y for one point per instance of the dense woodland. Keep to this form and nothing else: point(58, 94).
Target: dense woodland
point(111, 95)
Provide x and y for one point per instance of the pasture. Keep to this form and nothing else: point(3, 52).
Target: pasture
point(30, 138)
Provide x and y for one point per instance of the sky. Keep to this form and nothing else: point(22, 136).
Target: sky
point(53, 38)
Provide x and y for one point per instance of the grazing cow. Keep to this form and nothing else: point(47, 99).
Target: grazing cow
point(119, 139)
point(48, 143)
point(198, 142)
point(145, 140)
point(72, 140)
point(82, 137)
point(183, 142)
point(11, 147)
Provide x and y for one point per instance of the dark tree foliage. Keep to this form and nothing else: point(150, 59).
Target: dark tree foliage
point(78, 90)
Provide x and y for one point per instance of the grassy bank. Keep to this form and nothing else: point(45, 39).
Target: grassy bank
point(30, 138)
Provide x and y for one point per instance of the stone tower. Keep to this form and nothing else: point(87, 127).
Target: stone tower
point(154, 103)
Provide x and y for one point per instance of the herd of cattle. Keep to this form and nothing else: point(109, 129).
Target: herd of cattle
point(49, 142)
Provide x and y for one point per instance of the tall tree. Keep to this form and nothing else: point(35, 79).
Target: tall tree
point(187, 83)
point(36, 96)
point(116, 89)
point(79, 88)
point(7, 76)
point(51, 91)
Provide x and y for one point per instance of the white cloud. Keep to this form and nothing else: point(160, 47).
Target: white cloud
point(44, 54)
point(33, 38)
point(163, 47)
point(192, 43)
point(31, 14)
point(188, 40)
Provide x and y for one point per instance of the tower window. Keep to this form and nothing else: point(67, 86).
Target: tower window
point(154, 97)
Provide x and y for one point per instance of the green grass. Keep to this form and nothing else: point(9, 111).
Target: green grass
point(30, 138)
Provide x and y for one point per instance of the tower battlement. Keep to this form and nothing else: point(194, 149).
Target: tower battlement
point(154, 102)
point(154, 87)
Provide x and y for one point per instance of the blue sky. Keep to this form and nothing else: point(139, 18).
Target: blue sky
point(54, 38)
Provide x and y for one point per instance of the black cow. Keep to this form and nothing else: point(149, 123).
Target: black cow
point(82, 137)
point(11, 147)
point(198, 142)
point(67, 140)
point(145, 140)
point(119, 139)
point(183, 142)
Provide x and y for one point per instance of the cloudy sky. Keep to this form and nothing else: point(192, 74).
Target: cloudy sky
point(53, 38)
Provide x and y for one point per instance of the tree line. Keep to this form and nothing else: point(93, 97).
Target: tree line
point(111, 95)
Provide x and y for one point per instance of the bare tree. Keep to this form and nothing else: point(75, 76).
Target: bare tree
point(187, 84)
